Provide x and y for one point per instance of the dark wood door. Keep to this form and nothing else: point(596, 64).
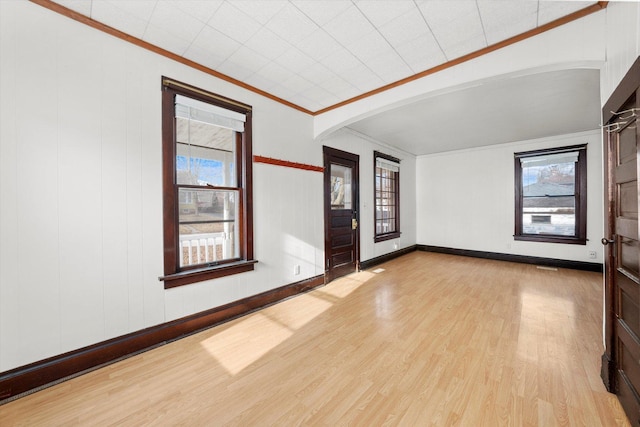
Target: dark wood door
point(622, 261)
point(341, 197)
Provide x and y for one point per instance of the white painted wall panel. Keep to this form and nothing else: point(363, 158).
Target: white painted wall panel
point(9, 191)
point(466, 199)
point(36, 205)
point(114, 194)
point(622, 44)
point(133, 103)
point(78, 104)
point(82, 196)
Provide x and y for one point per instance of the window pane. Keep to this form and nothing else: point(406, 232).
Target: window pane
point(340, 187)
point(205, 154)
point(386, 196)
point(548, 198)
point(208, 225)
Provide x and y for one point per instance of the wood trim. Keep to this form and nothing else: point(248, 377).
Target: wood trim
point(65, 366)
point(174, 275)
point(55, 7)
point(473, 55)
point(524, 259)
point(396, 188)
point(580, 192)
point(287, 164)
point(608, 373)
point(364, 265)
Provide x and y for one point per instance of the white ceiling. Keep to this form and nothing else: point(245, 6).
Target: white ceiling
point(317, 53)
point(499, 111)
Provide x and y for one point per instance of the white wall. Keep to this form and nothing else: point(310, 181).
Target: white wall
point(466, 200)
point(351, 142)
point(81, 196)
point(622, 44)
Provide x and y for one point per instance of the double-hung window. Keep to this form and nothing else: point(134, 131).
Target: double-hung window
point(206, 184)
point(551, 195)
point(387, 196)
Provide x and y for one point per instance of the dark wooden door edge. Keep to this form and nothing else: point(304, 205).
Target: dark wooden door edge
point(629, 84)
point(548, 262)
point(20, 381)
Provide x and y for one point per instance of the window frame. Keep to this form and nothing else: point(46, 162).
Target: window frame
point(580, 194)
point(174, 274)
point(381, 237)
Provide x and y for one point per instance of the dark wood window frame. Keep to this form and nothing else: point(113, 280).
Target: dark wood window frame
point(174, 275)
point(580, 191)
point(380, 237)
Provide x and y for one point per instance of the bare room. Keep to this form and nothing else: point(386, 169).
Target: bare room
point(319, 212)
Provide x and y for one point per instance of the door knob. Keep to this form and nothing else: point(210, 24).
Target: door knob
point(606, 241)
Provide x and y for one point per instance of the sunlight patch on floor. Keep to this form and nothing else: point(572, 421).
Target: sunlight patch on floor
point(344, 286)
point(298, 311)
point(237, 347)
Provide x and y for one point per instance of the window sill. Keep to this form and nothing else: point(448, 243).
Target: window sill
point(206, 273)
point(388, 236)
point(550, 239)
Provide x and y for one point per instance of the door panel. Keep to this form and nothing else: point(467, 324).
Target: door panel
point(623, 261)
point(341, 198)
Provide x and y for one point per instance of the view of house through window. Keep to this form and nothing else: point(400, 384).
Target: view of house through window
point(387, 197)
point(207, 185)
point(205, 175)
point(550, 185)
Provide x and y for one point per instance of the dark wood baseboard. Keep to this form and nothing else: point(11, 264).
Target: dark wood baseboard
point(607, 373)
point(549, 262)
point(55, 369)
point(387, 257)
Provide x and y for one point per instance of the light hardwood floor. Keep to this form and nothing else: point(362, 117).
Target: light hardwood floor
point(431, 340)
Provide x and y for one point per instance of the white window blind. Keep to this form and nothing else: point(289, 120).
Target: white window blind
point(189, 108)
point(550, 159)
point(387, 164)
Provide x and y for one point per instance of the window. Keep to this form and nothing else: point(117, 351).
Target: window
point(206, 142)
point(551, 195)
point(387, 197)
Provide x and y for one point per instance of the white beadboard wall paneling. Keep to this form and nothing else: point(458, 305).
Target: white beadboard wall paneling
point(78, 86)
point(466, 199)
point(623, 44)
point(132, 101)
point(113, 130)
point(151, 174)
point(36, 205)
point(9, 190)
point(88, 121)
point(289, 217)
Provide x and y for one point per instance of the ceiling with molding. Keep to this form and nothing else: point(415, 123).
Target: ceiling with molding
point(499, 111)
point(318, 53)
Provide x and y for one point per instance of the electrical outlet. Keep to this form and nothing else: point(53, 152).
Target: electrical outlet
point(593, 254)
point(296, 269)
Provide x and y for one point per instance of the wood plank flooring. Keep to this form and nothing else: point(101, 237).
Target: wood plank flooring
point(432, 340)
